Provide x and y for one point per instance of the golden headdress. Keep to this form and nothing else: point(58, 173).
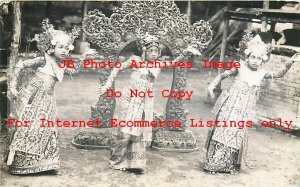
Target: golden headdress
point(257, 43)
point(250, 43)
point(146, 41)
point(50, 36)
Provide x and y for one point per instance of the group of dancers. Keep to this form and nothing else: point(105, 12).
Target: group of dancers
point(35, 149)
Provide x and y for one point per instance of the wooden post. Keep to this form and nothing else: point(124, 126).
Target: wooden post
point(85, 8)
point(225, 33)
point(264, 25)
point(189, 12)
point(16, 38)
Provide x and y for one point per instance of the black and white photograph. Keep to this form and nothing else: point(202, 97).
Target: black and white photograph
point(149, 93)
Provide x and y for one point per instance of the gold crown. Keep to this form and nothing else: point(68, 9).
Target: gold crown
point(250, 43)
point(50, 36)
point(147, 41)
point(257, 42)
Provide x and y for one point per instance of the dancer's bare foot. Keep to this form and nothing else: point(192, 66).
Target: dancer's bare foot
point(117, 167)
point(234, 172)
point(210, 172)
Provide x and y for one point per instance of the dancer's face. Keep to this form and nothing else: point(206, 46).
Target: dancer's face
point(61, 50)
point(152, 54)
point(255, 58)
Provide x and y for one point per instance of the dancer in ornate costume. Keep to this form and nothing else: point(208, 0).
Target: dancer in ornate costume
point(35, 149)
point(225, 145)
point(128, 148)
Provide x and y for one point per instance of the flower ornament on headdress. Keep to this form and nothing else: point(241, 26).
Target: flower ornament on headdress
point(50, 36)
point(257, 43)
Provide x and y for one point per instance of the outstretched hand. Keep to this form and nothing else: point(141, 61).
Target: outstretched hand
point(192, 49)
point(211, 93)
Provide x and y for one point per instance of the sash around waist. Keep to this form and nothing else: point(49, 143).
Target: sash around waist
point(41, 81)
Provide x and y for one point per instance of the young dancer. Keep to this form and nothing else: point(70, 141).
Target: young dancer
point(225, 145)
point(128, 148)
point(34, 148)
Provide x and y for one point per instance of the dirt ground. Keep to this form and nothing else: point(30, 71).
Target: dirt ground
point(273, 158)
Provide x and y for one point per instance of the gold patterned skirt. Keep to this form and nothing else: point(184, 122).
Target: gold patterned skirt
point(34, 149)
point(128, 147)
point(128, 152)
point(225, 146)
